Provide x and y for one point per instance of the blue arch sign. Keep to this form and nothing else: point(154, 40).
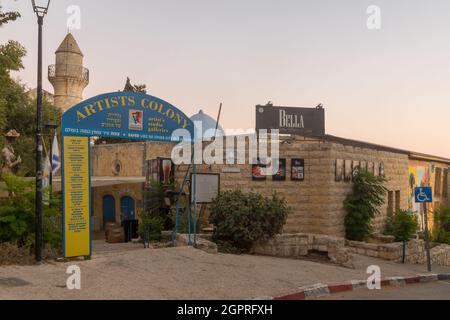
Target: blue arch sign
point(124, 115)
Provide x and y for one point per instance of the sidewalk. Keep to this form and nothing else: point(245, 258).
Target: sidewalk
point(183, 273)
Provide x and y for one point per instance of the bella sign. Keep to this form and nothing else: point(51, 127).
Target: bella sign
point(288, 120)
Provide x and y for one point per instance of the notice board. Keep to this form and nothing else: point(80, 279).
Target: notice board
point(76, 197)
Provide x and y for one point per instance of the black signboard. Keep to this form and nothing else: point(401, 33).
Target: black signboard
point(289, 120)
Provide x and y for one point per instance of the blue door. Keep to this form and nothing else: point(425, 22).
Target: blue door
point(109, 209)
point(127, 208)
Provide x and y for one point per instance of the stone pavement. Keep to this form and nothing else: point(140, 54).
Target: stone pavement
point(182, 273)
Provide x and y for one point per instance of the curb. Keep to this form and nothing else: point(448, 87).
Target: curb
point(322, 290)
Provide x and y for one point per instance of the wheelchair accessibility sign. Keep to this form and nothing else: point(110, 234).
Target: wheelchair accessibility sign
point(423, 195)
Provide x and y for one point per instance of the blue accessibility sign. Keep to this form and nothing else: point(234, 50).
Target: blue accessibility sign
point(423, 195)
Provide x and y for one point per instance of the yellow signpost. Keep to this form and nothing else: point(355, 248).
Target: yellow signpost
point(76, 197)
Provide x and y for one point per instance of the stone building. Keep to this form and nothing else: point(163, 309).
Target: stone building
point(118, 171)
point(316, 202)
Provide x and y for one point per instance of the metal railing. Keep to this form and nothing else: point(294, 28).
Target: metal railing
point(68, 70)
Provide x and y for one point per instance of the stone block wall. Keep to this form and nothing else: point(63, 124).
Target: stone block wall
point(396, 172)
point(316, 203)
point(299, 245)
point(415, 252)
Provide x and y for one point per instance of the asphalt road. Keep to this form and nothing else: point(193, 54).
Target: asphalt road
point(439, 290)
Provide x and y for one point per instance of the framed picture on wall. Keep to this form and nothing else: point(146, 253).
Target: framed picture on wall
point(281, 173)
point(297, 169)
point(348, 170)
point(166, 171)
point(258, 171)
point(339, 170)
point(161, 170)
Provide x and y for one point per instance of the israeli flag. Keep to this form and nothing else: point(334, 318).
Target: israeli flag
point(56, 158)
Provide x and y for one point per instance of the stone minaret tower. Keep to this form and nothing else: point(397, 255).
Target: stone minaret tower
point(67, 75)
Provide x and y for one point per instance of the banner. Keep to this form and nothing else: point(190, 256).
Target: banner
point(56, 159)
point(46, 182)
point(76, 197)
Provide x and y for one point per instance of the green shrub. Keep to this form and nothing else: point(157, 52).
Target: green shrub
point(403, 225)
point(362, 204)
point(155, 203)
point(241, 218)
point(151, 228)
point(441, 230)
point(17, 215)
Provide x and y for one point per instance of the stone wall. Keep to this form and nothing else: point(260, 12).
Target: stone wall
point(415, 252)
point(396, 171)
point(299, 245)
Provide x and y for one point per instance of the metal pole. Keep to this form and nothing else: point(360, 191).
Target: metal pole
point(39, 225)
point(427, 242)
point(194, 178)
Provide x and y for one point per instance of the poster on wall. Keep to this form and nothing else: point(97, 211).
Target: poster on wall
point(348, 170)
point(297, 169)
point(258, 171)
point(161, 170)
point(281, 173)
point(166, 171)
point(339, 170)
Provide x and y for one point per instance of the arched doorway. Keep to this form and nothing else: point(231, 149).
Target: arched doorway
point(127, 209)
point(109, 209)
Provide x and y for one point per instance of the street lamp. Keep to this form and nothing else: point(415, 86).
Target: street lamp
point(40, 7)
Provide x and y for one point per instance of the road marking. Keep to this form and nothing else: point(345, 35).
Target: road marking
point(445, 282)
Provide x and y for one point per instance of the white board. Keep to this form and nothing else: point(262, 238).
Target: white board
point(207, 187)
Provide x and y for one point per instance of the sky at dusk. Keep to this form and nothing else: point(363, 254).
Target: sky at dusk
point(389, 86)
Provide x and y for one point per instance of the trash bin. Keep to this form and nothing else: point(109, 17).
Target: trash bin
point(130, 228)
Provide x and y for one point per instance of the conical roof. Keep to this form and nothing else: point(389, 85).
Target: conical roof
point(69, 44)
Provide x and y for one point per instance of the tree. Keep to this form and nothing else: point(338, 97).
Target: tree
point(11, 55)
point(17, 110)
point(363, 204)
point(140, 88)
point(6, 17)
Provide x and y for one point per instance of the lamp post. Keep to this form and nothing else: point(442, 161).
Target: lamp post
point(51, 126)
point(40, 7)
